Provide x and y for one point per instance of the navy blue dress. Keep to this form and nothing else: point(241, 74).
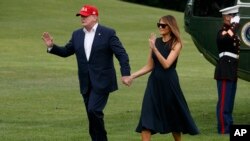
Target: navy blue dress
point(164, 108)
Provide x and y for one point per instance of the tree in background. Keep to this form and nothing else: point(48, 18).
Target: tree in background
point(177, 5)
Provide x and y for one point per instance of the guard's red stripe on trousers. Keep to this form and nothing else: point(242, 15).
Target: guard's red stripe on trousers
point(223, 93)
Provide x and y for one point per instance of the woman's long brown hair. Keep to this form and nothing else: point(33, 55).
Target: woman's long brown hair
point(175, 32)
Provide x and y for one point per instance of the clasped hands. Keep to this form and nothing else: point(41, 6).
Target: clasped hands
point(127, 80)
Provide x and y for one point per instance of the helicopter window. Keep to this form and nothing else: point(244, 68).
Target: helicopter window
point(211, 8)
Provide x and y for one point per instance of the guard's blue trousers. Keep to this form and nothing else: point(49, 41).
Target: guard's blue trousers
point(225, 104)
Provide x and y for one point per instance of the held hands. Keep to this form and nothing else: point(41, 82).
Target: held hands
point(48, 40)
point(127, 80)
point(235, 19)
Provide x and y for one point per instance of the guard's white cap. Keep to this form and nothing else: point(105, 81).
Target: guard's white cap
point(230, 10)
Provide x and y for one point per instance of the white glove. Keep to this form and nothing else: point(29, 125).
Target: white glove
point(235, 19)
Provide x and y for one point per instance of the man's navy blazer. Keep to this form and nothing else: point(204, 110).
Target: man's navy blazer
point(99, 71)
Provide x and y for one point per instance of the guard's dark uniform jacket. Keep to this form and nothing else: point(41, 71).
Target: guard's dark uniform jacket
point(228, 48)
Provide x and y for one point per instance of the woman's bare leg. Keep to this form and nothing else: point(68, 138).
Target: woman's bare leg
point(177, 136)
point(145, 135)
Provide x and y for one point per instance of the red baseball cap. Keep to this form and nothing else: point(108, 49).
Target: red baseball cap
point(88, 10)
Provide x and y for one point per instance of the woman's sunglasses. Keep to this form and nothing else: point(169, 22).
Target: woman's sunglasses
point(162, 25)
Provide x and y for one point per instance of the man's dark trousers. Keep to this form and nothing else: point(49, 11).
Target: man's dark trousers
point(95, 103)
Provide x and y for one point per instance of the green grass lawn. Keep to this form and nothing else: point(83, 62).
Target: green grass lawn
point(39, 92)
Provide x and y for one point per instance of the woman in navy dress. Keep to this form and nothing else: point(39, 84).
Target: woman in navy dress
point(164, 108)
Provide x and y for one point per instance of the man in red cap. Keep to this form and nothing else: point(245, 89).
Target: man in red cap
point(94, 46)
